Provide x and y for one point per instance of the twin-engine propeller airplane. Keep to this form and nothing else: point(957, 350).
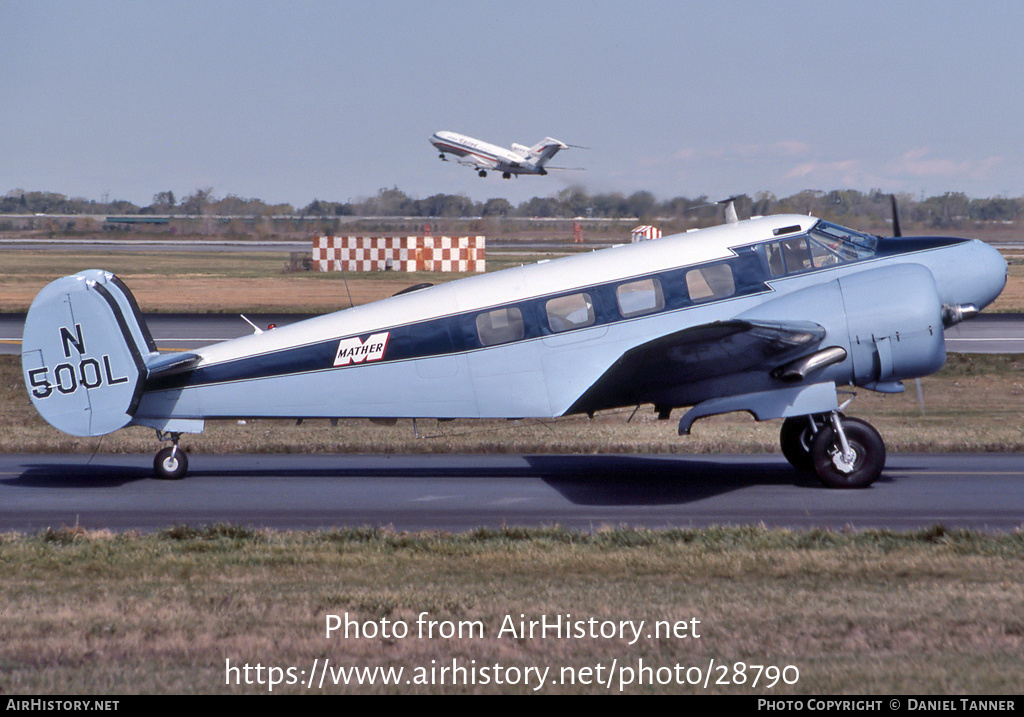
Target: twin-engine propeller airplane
point(768, 315)
point(486, 157)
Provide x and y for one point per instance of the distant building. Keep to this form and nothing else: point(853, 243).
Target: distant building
point(644, 233)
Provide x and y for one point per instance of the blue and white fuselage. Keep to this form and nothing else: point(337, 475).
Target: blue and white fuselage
point(484, 156)
point(767, 315)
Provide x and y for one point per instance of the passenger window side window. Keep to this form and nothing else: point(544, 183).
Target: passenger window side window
point(775, 265)
point(499, 326)
point(640, 297)
point(710, 282)
point(570, 312)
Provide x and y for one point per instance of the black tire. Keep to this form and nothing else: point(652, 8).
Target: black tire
point(167, 467)
point(869, 460)
point(796, 438)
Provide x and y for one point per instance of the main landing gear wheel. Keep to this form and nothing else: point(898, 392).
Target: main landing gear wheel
point(851, 458)
point(170, 463)
point(796, 437)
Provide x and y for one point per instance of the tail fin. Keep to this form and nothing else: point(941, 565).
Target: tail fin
point(545, 150)
point(84, 352)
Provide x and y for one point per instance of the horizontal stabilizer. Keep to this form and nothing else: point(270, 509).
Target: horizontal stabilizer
point(163, 364)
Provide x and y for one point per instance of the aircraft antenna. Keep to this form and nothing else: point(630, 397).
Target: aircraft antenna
point(341, 266)
point(256, 329)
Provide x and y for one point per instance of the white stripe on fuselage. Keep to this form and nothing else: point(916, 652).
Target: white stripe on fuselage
point(559, 276)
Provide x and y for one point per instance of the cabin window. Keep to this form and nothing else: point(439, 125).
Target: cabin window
point(640, 297)
point(774, 255)
point(570, 312)
point(710, 282)
point(499, 326)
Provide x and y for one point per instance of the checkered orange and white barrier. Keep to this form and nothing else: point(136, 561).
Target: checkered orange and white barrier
point(434, 254)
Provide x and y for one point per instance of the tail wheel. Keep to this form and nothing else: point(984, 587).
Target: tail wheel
point(858, 468)
point(170, 463)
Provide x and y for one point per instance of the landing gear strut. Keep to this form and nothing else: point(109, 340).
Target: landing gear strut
point(843, 452)
point(170, 463)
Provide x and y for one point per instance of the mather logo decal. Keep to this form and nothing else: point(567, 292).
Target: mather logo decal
point(355, 350)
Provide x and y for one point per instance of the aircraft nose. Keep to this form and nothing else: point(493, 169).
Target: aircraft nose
point(988, 268)
point(969, 275)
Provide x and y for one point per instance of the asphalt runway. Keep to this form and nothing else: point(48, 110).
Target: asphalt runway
point(986, 333)
point(457, 493)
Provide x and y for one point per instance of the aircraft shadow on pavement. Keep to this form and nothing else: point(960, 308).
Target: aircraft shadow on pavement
point(72, 475)
point(649, 480)
point(581, 479)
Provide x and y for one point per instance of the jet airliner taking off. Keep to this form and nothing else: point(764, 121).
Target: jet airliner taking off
point(486, 157)
point(776, 316)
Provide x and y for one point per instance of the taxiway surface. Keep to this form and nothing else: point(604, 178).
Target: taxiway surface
point(458, 493)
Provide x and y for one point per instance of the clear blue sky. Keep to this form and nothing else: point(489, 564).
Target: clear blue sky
point(292, 101)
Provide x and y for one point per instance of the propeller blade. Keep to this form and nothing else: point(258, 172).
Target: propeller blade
point(895, 217)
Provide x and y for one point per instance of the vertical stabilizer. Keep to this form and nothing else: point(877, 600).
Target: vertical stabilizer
point(84, 353)
point(541, 152)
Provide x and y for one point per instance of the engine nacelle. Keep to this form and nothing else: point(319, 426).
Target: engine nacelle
point(894, 320)
point(887, 319)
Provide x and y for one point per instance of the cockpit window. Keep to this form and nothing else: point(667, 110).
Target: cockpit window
point(845, 243)
point(825, 245)
point(789, 256)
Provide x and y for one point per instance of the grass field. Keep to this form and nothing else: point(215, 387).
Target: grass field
point(231, 282)
point(932, 612)
point(216, 282)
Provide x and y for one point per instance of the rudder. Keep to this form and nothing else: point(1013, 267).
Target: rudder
point(84, 352)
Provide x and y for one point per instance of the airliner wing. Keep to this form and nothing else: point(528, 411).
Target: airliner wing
point(650, 371)
point(473, 160)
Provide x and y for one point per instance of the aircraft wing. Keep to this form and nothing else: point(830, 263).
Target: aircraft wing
point(651, 371)
point(478, 162)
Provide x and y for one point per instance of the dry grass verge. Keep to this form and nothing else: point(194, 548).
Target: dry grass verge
point(223, 282)
point(931, 612)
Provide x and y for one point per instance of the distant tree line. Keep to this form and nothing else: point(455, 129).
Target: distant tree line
point(866, 208)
